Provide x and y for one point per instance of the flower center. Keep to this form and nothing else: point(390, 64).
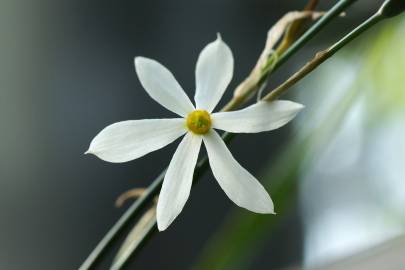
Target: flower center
point(199, 121)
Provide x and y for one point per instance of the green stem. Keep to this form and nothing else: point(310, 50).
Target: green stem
point(138, 206)
point(335, 11)
point(134, 210)
point(130, 214)
point(307, 68)
point(310, 66)
point(322, 56)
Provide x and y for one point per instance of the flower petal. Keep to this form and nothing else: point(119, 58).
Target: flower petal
point(214, 71)
point(161, 85)
point(240, 186)
point(178, 179)
point(128, 140)
point(262, 116)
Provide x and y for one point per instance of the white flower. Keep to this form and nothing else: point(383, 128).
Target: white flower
point(128, 140)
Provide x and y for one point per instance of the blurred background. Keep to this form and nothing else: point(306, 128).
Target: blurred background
point(336, 173)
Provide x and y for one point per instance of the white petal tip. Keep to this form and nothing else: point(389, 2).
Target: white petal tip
point(271, 209)
point(162, 228)
point(294, 105)
point(138, 59)
point(162, 223)
point(269, 212)
point(219, 37)
point(88, 152)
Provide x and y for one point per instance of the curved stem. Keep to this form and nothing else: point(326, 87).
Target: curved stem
point(132, 212)
point(319, 59)
point(129, 215)
point(331, 14)
point(322, 56)
point(335, 11)
point(138, 206)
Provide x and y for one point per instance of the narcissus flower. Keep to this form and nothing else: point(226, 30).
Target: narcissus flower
point(128, 140)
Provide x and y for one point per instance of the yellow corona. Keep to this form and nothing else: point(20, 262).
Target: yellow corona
point(199, 121)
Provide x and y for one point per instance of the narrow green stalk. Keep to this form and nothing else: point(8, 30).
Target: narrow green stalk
point(242, 236)
point(275, 94)
point(138, 206)
point(149, 232)
point(319, 58)
point(126, 219)
point(388, 9)
point(335, 11)
point(322, 56)
point(134, 210)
